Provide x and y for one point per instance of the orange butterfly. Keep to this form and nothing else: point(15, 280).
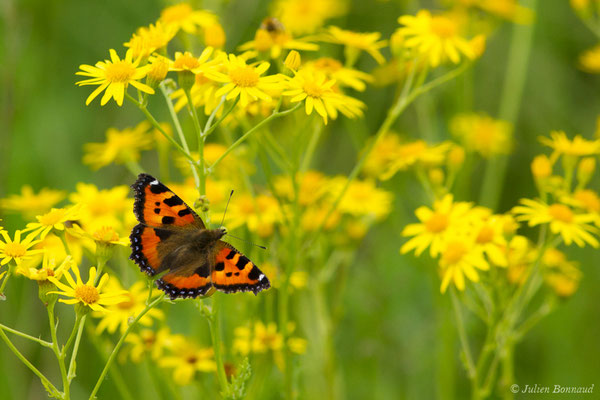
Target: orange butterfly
point(172, 237)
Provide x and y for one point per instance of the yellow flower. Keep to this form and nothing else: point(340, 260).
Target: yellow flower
point(362, 198)
point(88, 294)
point(298, 279)
point(114, 75)
point(459, 259)
point(541, 167)
point(102, 207)
point(520, 255)
point(357, 41)
point(259, 213)
point(132, 303)
point(317, 91)
point(571, 226)
point(297, 345)
point(312, 187)
point(343, 76)
point(266, 338)
point(436, 226)
point(202, 93)
point(435, 38)
point(30, 204)
point(159, 68)
point(292, 60)
point(306, 16)
point(54, 219)
point(149, 39)
point(271, 37)
point(17, 249)
point(588, 200)
point(188, 358)
point(483, 134)
point(152, 343)
point(187, 62)
point(589, 61)
point(577, 147)
point(214, 35)
point(242, 340)
point(120, 147)
point(243, 80)
point(507, 9)
point(490, 238)
point(561, 275)
point(183, 16)
point(48, 268)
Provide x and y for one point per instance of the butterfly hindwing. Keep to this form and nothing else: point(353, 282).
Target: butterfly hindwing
point(156, 205)
point(234, 272)
point(149, 246)
point(192, 281)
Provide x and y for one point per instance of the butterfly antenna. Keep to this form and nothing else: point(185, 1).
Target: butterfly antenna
point(246, 241)
point(227, 205)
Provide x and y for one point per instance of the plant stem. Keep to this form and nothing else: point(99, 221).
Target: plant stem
point(59, 355)
point(214, 323)
point(210, 127)
point(26, 336)
point(47, 384)
point(312, 145)
point(460, 326)
point(200, 138)
point(72, 365)
point(120, 343)
point(274, 115)
point(510, 103)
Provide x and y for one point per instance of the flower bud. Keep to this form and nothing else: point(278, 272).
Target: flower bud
point(214, 36)
point(585, 170)
point(456, 157)
point(158, 71)
point(292, 61)
point(541, 167)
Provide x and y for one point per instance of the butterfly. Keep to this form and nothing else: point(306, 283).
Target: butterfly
point(171, 237)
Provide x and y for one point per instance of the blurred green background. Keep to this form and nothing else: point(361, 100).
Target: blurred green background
point(396, 331)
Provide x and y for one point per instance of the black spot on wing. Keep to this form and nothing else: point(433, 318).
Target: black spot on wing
point(242, 261)
point(158, 188)
point(184, 212)
point(173, 201)
point(157, 203)
point(231, 254)
point(203, 271)
point(162, 234)
point(228, 274)
point(220, 266)
point(168, 220)
point(254, 273)
point(157, 211)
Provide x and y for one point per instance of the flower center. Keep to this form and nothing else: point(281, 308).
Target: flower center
point(486, 234)
point(15, 250)
point(186, 61)
point(127, 304)
point(119, 72)
point(561, 213)
point(437, 223)
point(87, 293)
point(106, 234)
point(53, 217)
point(328, 64)
point(443, 27)
point(244, 77)
point(312, 89)
point(191, 359)
point(454, 252)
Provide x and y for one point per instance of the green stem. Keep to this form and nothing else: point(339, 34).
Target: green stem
point(310, 149)
point(72, 365)
point(72, 336)
point(59, 355)
point(4, 282)
point(134, 167)
point(200, 138)
point(26, 336)
point(210, 127)
point(214, 323)
point(120, 343)
point(460, 326)
point(274, 115)
point(510, 103)
point(47, 384)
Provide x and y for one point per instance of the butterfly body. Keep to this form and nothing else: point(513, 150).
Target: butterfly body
point(172, 239)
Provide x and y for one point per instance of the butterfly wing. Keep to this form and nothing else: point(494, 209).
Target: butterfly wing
point(163, 218)
point(155, 205)
point(234, 272)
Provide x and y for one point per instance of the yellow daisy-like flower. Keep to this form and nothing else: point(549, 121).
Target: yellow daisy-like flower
point(362, 198)
point(187, 359)
point(560, 274)
point(563, 220)
point(589, 61)
point(114, 75)
point(490, 239)
point(132, 303)
point(152, 343)
point(259, 213)
point(183, 16)
point(31, 204)
point(48, 268)
point(149, 39)
point(243, 80)
point(266, 338)
point(306, 16)
point(86, 293)
point(187, 62)
point(317, 91)
point(577, 147)
point(588, 200)
point(357, 41)
point(272, 38)
point(17, 249)
point(121, 146)
point(102, 207)
point(436, 38)
point(343, 76)
point(461, 258)
point(480, 133)
point(436, 226)
point(55, 219)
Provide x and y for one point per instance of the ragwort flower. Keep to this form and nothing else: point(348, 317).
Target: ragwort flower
point(187, 359)
point(483, 134)
point(114, 76)
point(356, 42)
point(578, 147)
point(54, 219)
point(306, 16)
point(461, 258)
point(17, 249)
point(149, 39)
point(31, 204)
point(183, 16)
